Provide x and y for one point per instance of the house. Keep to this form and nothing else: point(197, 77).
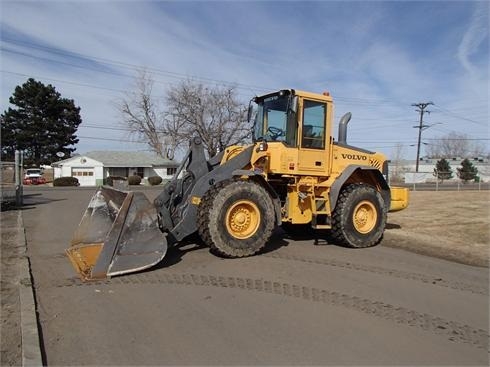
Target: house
point(93, 167)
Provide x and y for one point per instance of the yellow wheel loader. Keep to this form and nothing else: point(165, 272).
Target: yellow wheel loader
point(294, 173)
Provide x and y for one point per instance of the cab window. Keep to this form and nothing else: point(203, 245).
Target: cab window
point(313, 135)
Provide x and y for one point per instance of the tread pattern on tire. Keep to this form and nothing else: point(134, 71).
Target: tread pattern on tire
point(207, 205)
point(339, 232)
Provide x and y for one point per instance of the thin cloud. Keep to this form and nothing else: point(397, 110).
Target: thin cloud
point(474, 36)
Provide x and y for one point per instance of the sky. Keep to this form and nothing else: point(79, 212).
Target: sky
point(375, 58)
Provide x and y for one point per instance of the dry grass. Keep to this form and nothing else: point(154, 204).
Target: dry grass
point(454, 225)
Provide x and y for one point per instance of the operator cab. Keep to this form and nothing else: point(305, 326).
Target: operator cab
point(283, 117)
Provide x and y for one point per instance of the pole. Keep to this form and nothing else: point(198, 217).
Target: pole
point(18, 182)
point(421, 126)
point(437, 180)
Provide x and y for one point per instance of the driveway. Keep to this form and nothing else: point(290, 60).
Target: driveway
point(302, 302)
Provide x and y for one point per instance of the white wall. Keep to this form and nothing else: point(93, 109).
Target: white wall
point(426, 170)
point(162, 172)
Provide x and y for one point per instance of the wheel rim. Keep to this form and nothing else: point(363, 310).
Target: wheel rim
point(242, 219)
point(364, 217)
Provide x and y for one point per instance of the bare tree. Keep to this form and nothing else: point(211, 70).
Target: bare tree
point(191, 109)
point(142, 115)
point(453, 145)
point(212, 113)
point(398, 168)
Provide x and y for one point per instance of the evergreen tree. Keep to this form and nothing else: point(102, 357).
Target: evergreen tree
point(443, 170)
point(467, 172)
point(41, 125)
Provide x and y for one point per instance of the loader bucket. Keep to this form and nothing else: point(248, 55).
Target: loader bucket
point(118, 234)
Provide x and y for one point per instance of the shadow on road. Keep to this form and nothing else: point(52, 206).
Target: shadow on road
point(393, 226)
point(31, 200)
point(194, 243)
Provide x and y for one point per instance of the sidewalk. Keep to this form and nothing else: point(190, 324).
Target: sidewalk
point(20, 343)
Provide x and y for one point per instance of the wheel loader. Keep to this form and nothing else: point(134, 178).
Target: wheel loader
point(294, 173)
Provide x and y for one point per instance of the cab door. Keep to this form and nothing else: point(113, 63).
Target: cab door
point(313, 152)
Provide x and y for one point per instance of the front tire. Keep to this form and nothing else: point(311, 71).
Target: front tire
point(236, 218)
point(359, 218)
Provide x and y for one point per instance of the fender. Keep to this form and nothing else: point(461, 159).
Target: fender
point(347, 173)
point(275, 198)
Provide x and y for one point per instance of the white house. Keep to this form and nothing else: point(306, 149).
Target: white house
point(92, 168)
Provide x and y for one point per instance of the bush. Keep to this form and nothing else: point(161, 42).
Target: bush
point(134, 180)
point(110, 180)
point(66, 181)
point(155, 180)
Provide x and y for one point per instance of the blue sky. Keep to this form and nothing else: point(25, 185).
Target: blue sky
point(375, 58)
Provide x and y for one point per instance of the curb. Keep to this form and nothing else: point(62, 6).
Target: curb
point(31, 348)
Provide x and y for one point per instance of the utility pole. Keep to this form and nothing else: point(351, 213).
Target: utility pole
point(421, 126)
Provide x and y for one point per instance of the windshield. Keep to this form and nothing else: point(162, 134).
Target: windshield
point(274, 121)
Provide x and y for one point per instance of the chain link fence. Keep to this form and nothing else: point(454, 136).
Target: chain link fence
point(428, 181)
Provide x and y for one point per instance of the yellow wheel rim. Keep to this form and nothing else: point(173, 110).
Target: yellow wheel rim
point(364, 217)
point(242, 219)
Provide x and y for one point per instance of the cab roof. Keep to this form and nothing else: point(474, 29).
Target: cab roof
point(325, 96)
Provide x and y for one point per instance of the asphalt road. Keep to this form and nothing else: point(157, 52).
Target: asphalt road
point(302, 302)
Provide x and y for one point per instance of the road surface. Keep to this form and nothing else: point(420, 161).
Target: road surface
point(302, 302)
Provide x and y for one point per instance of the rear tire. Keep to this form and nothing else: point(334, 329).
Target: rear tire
point(359, 218)
point(236, 218)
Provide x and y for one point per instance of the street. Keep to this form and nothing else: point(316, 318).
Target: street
point(302, 302)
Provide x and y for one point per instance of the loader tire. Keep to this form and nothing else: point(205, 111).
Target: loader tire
point(359, 218)
point(236, 218)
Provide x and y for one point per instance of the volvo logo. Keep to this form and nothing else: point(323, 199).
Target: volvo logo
point(355, 157)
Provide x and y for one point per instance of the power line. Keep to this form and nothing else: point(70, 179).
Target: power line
point(91, 126)
point(62, 81)
point(96, 126)
point(167, 73)
point(175, 75)
point(450, 113)
point(162, 72)
point(130, 66)
point(110, 139)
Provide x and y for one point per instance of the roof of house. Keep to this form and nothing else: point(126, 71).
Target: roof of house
point(129, 159)
point(124, 159)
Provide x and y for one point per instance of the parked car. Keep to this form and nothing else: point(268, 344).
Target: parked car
point(33, 176)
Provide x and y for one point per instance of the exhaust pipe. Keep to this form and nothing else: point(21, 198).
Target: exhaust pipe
point(343, 128)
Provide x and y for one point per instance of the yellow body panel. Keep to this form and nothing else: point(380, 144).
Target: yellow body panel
point(399, 198)
point(345, 156)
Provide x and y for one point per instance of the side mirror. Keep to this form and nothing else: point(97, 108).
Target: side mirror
point(250, 111)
